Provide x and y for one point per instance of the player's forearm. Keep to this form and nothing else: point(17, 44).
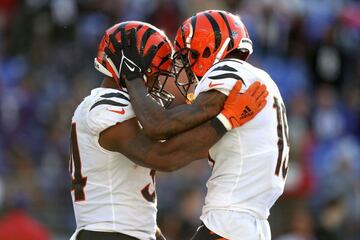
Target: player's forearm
point(148, 112)
point(186, 147)
point(146, 108)
point(128, 139)
point(161, 123)
point(179, 119)
point(195, 144)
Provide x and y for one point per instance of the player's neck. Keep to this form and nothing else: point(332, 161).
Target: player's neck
point(109, 83)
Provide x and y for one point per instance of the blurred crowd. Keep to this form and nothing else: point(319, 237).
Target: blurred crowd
point(311, 48)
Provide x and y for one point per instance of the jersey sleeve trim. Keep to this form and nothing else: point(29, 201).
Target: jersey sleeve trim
point(120, 95)
point(108, 102)
point(109, 108)
point(114, 96)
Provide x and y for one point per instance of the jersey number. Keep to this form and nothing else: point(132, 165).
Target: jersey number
point(150, 196)
point(78, 182)
point(283, 135)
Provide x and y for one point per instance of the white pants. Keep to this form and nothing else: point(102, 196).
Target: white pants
point(234, 225)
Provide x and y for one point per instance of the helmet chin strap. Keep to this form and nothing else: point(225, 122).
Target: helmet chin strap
point(219, 55)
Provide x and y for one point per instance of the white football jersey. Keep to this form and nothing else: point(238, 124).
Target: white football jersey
point(110, 192)
point(249, 163)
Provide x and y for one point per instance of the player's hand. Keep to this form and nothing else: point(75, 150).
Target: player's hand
point(126, 61)
point(241, 108)
point(114, 57)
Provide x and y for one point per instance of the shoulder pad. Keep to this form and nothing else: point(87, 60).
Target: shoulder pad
point(108, 107)
point(223, 76)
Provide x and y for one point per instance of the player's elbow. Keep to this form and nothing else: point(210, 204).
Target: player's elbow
point(157, 128)
point(163, 161)
point(154, 132)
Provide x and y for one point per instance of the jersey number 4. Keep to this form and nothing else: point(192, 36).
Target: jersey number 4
point(78, 182)
point(283, 135)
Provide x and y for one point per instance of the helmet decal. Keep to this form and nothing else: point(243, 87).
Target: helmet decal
point(231, 33)
point(216, 29)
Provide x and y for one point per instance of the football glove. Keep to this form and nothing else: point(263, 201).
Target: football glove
point(126, 61)
point(240, 108)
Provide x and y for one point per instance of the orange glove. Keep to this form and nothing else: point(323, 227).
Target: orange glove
point(241, 108)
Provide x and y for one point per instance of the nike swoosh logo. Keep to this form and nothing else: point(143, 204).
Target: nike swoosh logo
point(122, 111)
point(211, 84)
point(130, 68)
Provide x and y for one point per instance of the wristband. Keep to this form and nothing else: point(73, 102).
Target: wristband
point(224, 121)
point(218, 126)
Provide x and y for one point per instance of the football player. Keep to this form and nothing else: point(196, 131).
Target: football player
point(113, 191)
point(250, 163)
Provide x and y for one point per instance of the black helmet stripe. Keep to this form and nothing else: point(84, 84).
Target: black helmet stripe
point(177, 44)
point(120, 27)
point(160, 45)
point(216, 30)
point(139, 27)
point(231, 43)
point(165, 59)
point(145, 38)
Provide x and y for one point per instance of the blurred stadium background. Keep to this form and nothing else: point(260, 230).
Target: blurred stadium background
point(311, 48)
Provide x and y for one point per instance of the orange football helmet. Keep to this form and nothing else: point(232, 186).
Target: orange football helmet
point(147, 35)
point(205, 39)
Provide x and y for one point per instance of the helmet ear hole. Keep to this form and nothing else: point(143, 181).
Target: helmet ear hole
point(206, 53)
